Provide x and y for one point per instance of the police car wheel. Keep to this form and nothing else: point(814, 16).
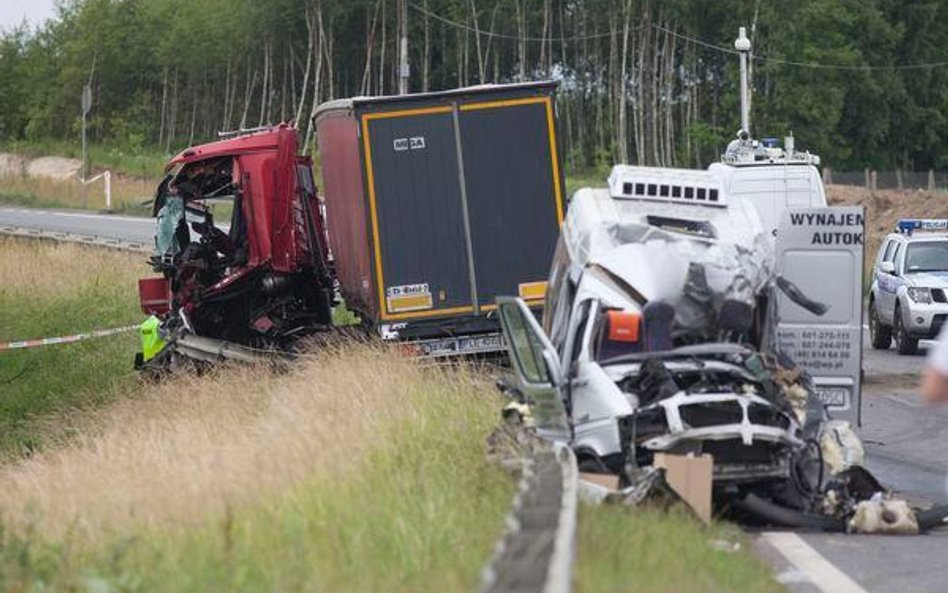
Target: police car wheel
point(879, 334)
point(904, 343)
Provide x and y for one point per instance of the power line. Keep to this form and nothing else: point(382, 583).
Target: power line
point(694, 40)
point(465, 27)
point(814, 65)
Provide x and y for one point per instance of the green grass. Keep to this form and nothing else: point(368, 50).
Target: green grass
point(135, 162)
point(55, 380)
point(651, 550)
point(580, 179)
point(419, 512)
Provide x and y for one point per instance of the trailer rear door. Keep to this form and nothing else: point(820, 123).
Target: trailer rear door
point(514, 198)
point(416, 213)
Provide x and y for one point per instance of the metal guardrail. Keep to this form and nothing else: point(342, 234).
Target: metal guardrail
point(93, 240)
point(537, 550)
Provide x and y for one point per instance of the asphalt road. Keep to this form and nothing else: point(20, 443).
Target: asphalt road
point(907, 449)
point(107, 226)
point(906, 444)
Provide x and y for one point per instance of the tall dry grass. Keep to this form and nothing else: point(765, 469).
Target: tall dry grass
point(127, 192)
point(47, 269)
point(197, 447)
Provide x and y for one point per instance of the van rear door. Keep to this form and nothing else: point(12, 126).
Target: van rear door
point(821, 250)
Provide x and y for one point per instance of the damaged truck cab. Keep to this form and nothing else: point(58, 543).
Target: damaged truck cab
point(261, 279)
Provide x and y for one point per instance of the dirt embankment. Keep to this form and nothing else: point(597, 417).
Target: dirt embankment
point(48, 167)
point(885, 207)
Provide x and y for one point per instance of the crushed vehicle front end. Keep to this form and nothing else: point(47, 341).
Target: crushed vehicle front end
point(258, 282)
point(664, 314)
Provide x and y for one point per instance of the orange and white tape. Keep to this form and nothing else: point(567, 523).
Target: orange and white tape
point(99, 333)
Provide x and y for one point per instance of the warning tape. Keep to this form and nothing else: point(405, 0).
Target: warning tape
point(99, 333)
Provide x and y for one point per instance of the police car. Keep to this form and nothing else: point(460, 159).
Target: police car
point(908, 301)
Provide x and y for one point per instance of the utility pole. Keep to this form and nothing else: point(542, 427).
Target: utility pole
point(404, 70)
point(86, 106)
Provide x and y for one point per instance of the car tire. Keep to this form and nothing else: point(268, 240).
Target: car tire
point(904, 343)
point(879, 333)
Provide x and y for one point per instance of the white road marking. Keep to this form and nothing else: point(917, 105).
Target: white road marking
point(907, 402)
point(54, 213)
point(821, 573)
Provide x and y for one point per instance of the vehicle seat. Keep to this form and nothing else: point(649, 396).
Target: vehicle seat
point(735, 320)
point(621, 334)
point(658, 318)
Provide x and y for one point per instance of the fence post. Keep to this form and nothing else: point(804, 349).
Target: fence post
point(931, 180)
point(868, 180)
point(827, 176)
point(898, 178)
point(874, 178)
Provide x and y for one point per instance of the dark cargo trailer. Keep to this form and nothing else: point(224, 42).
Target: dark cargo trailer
point(439, 202)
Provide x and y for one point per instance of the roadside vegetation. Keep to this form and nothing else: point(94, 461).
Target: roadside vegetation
point(358, 471)
point(648, 550)
point(52, 289)
point(128, 195)
point(131, 161)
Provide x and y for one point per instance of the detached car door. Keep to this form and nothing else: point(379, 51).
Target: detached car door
point(534, 359)
point(820, 251)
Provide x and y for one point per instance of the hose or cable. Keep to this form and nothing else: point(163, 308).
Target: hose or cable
point(784, 517)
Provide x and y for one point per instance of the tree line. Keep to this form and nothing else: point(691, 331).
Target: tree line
point(862, 83)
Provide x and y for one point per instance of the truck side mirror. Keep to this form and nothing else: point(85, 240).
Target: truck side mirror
point(887, 267)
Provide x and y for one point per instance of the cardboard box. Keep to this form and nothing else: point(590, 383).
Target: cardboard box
point(690, 477)
point(609, 481)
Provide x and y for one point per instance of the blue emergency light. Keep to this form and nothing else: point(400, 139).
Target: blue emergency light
point(769, 142)
point(907, 225)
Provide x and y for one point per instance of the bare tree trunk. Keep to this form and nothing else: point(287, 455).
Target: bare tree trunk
point(251, 83)
point(490, 40)
point(263, 87)
point(482, 74)
point(426, 61)
point(543, 36)
point(311, 30)
point(522, 34)
point(326, 42)
point(381, 87)
point(641, 150)
point(164, 102)
point(365, 88)
point(623, 139)
point(169, 139)
point(317, 79)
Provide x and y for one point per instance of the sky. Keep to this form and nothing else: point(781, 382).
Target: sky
point(12, 12)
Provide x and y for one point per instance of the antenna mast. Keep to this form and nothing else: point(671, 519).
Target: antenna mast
point(743, 45)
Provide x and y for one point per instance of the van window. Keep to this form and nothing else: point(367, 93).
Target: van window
point(559, 296)
point(886, 251)
point(895, 253)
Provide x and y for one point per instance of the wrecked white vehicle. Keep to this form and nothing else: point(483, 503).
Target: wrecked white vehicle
point(660, 334)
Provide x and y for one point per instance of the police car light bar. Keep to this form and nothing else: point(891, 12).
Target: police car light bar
point(907, 225)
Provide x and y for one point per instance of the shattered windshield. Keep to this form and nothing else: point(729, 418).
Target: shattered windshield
point(930, 256)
